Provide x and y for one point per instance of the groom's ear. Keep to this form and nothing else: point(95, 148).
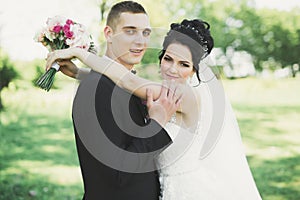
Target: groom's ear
point(108, 33)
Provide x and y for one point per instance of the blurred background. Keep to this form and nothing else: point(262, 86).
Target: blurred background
point(256, 56)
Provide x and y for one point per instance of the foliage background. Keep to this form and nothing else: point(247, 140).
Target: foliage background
point(38, 159)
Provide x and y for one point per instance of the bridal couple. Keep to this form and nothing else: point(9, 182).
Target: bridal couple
point(138, 139)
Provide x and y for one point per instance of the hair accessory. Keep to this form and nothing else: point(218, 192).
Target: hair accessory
point(200, 39)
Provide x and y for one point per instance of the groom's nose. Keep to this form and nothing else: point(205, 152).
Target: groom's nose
point(140, 38)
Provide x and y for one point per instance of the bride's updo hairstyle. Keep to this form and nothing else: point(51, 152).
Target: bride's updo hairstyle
point(194, 34)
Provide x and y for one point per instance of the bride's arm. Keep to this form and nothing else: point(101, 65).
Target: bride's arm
point(138, 86)
point(122, 76)
point(115, 71)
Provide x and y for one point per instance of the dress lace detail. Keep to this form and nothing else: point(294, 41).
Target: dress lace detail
point(173, 119)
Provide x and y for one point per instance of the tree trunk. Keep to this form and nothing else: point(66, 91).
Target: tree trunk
point(293, 71)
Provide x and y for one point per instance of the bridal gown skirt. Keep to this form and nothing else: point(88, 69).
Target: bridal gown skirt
point(223, 174)
point(198, 184)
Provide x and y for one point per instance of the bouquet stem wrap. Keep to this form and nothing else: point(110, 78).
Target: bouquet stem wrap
point(46, 80)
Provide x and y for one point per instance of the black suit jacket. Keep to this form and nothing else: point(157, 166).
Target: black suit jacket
point(123, 129)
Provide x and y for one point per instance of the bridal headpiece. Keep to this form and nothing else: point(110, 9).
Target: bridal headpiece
point(198, 31)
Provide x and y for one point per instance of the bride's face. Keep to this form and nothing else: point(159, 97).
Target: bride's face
point(177, 63)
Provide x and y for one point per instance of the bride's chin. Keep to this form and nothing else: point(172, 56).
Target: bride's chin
point(167, 77)
point(177, 80)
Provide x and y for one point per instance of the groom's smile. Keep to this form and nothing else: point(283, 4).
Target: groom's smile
point(137, 52)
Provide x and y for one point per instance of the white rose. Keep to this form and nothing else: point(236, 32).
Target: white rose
point(80, 37)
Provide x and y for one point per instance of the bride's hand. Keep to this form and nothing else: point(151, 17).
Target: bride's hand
point(166, 105)
point(60, 55)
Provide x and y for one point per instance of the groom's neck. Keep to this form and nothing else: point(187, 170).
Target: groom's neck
point(116, 59)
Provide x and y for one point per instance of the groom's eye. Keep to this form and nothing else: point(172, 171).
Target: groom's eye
point(130, 31)
point(146, 33)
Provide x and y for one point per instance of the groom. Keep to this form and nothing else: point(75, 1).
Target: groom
point(116, 138)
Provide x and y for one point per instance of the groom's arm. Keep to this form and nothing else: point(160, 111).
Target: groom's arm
point(68, 68)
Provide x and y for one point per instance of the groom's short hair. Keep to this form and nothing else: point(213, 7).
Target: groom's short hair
point(121, 7)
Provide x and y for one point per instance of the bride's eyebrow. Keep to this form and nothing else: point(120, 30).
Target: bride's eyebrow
point(181, 61)
point(168, 56)
point(185, 62)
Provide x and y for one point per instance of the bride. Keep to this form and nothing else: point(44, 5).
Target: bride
point(206, 159)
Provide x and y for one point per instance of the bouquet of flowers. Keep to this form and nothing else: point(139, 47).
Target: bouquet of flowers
point(61, 33)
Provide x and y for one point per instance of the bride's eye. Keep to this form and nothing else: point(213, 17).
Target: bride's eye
point(185, 65)
point(167, 58)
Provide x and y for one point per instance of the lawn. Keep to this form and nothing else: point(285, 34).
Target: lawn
point(38, 159)
point(268, 113)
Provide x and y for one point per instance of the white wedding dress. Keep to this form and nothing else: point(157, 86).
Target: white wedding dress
point(206, 165)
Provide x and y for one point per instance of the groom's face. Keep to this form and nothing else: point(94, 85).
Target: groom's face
point(130, 38)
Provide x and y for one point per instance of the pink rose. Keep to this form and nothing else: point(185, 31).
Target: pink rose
point(66, 28)
point(69, 34)
point(69, 22)
point(57, 28)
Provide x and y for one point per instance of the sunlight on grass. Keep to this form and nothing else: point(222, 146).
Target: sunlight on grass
point(252, 91)
point(60, 174)
point(52, 149)
point(39, 158)
point(38, 146)
point(268, 113)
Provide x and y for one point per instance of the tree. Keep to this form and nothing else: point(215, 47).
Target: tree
point(271, 37)
point(7, 73)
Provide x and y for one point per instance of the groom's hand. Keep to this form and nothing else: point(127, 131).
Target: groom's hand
point(166, 105)
point(68, 68)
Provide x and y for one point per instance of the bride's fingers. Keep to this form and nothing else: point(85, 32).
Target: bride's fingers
point(178, 102)
point(59, 55)
point(49, 61)
point(178, 92)
point(179, 99)
point(53, 57)
point(149, 98)
point(164, 89)
point(172, 89)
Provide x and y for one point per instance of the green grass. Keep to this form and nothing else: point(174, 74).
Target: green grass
point(268, 113)
point(38, 159)
point(37, 147)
